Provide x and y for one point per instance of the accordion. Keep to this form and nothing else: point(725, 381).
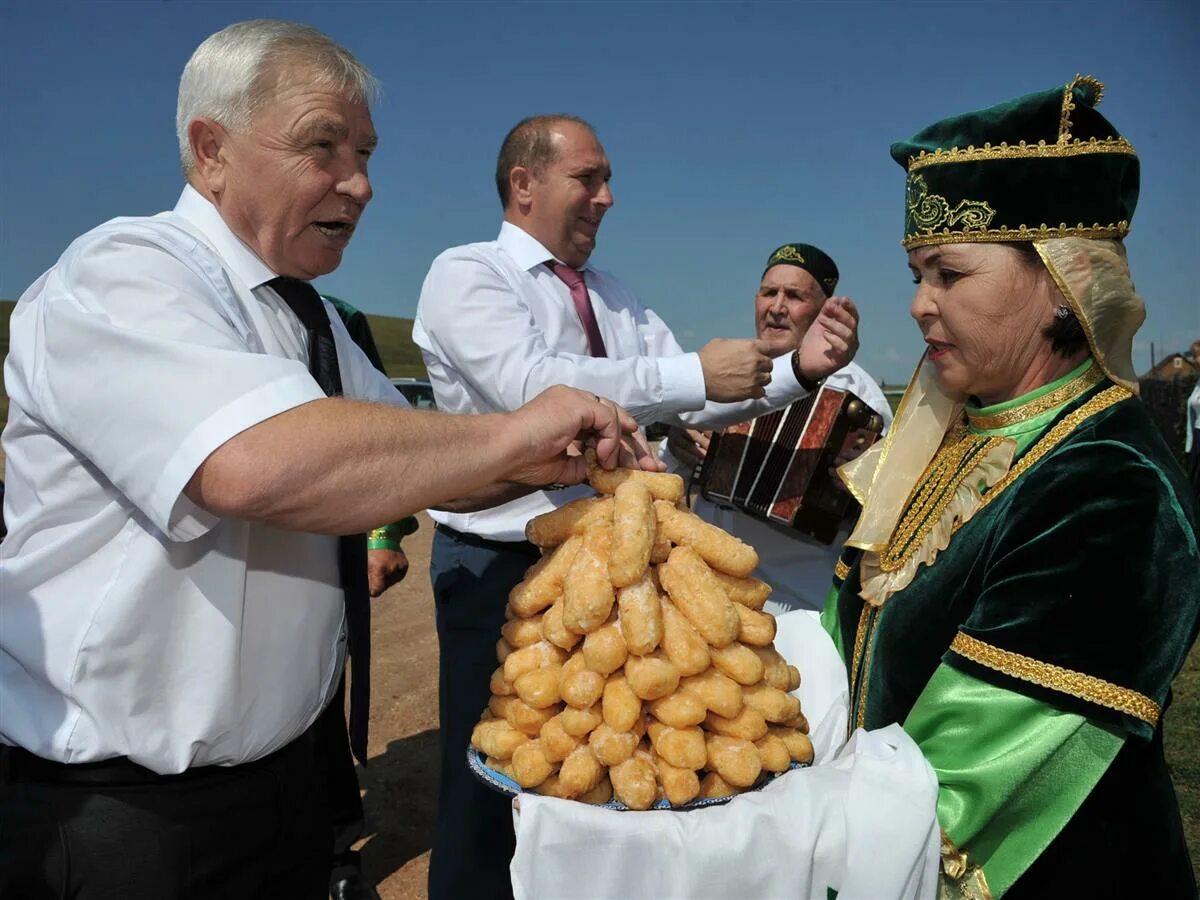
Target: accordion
point(777, 467)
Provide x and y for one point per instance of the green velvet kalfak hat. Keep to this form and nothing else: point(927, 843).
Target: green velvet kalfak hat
point(1045, 165)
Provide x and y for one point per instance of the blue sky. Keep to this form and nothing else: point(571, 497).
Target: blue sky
point(732, 128)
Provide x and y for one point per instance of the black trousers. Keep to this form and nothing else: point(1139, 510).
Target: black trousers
point(345, 799)
point(115, 831)
point(473, 835)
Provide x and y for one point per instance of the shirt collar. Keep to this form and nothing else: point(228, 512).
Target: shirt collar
point(241, 260)
point(526, 250)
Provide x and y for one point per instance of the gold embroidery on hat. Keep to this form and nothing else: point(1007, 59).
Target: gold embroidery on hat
point(1020, 150)
point(929, 211)
point(1068, 104)
point(786, 254)
point(1043, 232)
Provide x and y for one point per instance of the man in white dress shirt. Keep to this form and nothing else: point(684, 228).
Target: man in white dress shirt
point(496, 323)
point(170, 587)
point(796, 282)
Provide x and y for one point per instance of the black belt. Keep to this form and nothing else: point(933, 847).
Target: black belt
point(19, 765)
point(524, 548)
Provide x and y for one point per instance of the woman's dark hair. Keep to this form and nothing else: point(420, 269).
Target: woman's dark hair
point(1066, 336)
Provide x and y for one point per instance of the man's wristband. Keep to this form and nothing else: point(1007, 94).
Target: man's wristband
point(807, 383)
point(382, 544)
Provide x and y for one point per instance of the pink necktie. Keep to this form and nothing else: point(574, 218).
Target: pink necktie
point(573, 279)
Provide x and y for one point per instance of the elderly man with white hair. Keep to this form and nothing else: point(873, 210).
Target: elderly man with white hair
point(190, 431)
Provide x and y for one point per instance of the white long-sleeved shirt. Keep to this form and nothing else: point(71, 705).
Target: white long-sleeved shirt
point(497, 327)
point(132, 622)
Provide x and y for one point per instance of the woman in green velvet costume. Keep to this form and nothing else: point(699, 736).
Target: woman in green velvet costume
point(1024, 582)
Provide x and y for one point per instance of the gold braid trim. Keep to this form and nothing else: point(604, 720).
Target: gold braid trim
point(1068, 103)
point(1043, 232)
point(859, 640)
point(1020, 150)
point(1076, 684)
point(1054, 436)
point(959, 879)
point(840, 570)
point(866, 675)
point(1076, 387)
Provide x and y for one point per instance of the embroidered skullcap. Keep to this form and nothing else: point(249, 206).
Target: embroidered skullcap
point(813, 260)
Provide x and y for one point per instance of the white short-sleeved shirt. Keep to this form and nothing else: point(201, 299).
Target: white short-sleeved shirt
point(799, 570)
point(497, 327)
point(132, 622)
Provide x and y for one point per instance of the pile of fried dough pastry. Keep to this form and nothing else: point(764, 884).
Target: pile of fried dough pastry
point(635, 661)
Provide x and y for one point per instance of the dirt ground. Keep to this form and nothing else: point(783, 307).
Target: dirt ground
point(400, 781)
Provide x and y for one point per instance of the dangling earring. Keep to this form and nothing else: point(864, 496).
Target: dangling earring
point(1063, 311)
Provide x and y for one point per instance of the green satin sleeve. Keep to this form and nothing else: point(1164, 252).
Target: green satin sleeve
point(1011, 770)
point(829, 620)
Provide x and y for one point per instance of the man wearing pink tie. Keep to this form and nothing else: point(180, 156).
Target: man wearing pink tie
point(501, 320)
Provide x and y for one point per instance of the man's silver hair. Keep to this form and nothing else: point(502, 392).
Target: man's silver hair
point(230, 76)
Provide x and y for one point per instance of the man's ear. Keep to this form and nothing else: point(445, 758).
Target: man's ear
point(520, 183)
point(207, 139)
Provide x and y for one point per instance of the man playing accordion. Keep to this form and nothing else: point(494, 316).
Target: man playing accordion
point(797, 280)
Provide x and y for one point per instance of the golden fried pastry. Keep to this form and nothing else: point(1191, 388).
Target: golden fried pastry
point(525, 718)
point(495, 737)
point(543, 583)
point(681, 747)
point(498, 685)
point(682, 643)
point(661, 548)
point(539, 688)
point(799, 747)
point(621, 706)
point(578, 685)
point(521, 632)
point(556, 743)
point(604, 649)
point(651, 677)
point(662, 485)
point(719, 549)
point(635, 782)
point(739, 662)
point(600, 794)
point(775, 705)
point(555, 527)
point(580, 771)
point(498, 705)
point(748, 725)
point(612, 747)
point(678, 785)
point(713, 785)
point(748, 592)
point(695, 592)
point(773, 752)
point(679, 709)
point(530, 765)
point(503, 766)
point(736, 761)
point(579, 722)
point(536, 656)
point(555, 630)
point(553, 787)
point(503, 649)
point(641, 616)
point(634, 527)
point(588, 595)
point(756, 628)
point(718, 692)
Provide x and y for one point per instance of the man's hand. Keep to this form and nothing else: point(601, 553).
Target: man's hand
point(552, 429)
point(385, 568)
point(831, 341)
point(735, 369)
point(688, 445)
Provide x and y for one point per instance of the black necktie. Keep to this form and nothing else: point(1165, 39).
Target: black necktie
point(305, 302)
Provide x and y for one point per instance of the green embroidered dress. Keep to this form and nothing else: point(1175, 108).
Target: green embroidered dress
point(1032, 659)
